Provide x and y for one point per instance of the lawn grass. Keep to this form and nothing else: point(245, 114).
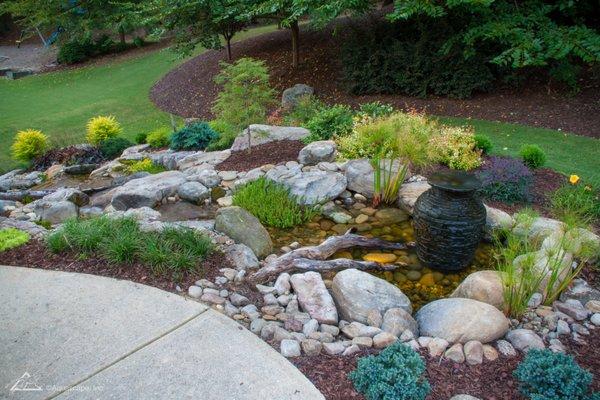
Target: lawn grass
point(567, 153)
point(60, 103)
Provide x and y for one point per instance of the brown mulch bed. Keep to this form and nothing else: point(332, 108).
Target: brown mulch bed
point(189, 90)
point(488, 381)
point(35, 254)
point(268, 153)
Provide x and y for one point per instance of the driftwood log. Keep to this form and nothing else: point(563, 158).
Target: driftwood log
point(314, 258)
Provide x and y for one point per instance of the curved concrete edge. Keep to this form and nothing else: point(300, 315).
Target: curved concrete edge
point(70, 335)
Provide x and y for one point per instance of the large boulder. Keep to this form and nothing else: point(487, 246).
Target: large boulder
point(316, 152)
point(148, 191)
point(207, 176)
point(291, 96)
point(314, 298)
point(311, 187)
point(496, 220)
point(484, 286)
point(261, 134)
point(245, 228)
point(461, 320)
point(54, 212)
point(357, 293)
point(409, 193)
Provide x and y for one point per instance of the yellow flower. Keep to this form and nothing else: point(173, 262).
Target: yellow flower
point(574, 179)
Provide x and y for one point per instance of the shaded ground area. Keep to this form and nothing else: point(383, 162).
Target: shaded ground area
point(189, 90)
point(33, 57)
point(268, 153)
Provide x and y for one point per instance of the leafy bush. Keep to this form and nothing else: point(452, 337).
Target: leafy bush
point(483, 143)
point(330, 122)
point(101, 128)
point(505, 179)
point(376, 109)
point(11, 237)
point(397, 373)
point(195, 136)
point(544, 375)
point(29, 144)
point(170, 252)
point(76, 50)
point(141, 137)
point(581, 202)
point(246, 94)
point(408, 58)
point(160, 137)
point(533, 156)
point(456, 148)
point(113, 147)
point(145, 165)
point(272, 204)
point(227, 135)
point(306, 108)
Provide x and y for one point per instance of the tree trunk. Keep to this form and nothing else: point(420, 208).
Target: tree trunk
point(228, 40)
point(295, 43)
point(122, 35)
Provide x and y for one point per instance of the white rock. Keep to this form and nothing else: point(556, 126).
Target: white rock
point(437, 347)
point(290, 348)
point(195, 291)
point(505, 348)
point(455, 353)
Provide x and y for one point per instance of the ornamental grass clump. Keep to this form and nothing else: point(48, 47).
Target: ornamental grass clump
point(397, 373)
point(505, 179)
point(11, 238)
point(29, 144)
point(101, 128)
point(544, 375)
point(576, 201)
point(389, 175)
point(273, 204)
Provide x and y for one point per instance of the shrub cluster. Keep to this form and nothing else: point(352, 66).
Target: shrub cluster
point(544, 375)
point(11, 237)
point(171, 252)
point(273, 204)
point(81, 49)
point(533, 156)
point(160, 137)
point(456, 148)
point(483, 143)
point(29, 144)
point(505, 179)
point(101, 128)
point(195, 136)
point(397, 373)
point(113, 147)
point(330, 122)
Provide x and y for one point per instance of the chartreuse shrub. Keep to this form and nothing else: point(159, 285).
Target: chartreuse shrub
point(246, 95)
point(456, 148)
point(578, 201)
point(114, 146)
point(101, 128)
point(29, 144)
point(397, 373)
point(483, 143)
point(533, 156)
point(544, 375)
point(329, 122)
point(11, 237)
point(227, 134)
point(195, 136)
point(143, 165)
point(273, 204)
point(170, 252)
point(160, 137)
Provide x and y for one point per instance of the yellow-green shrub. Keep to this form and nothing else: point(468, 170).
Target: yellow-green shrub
point(144, 165)
point(101, 128)
point(456, 147)
point(160, 137)
point(29, 144)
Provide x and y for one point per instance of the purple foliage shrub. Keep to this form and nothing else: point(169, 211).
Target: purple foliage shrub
point(505, 179)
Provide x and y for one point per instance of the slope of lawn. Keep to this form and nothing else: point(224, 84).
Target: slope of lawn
point(567, 153)
point(60, 103)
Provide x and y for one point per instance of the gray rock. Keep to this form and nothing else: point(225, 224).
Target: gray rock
point(54, 212)
point(310, 326)
point(207, 177)
point(250, 311)
point(353, 349)
point(194, 192)
point(323, 337)
point(383, 339)
point(397, 320)
point(311, 187)
point(80, 169)
point(73, 195)
point(202, 160)
point(282, 284)
point(195, 291)
point(595, 319)
point(212, 298)
point(539, 228)
point(484, 286)
point(261, 134)
point(314, 297)
point(290, 348)
point(582, 291)
point(455, 353)
point(241, 256)
point(148, 191)
point(331, 329)
point(257, 325)
point(462, 320)
point(364, 342)
point(525, 340)
point(562, 327)
point(337, 213)
point(473, 352)
point(245, 228)
point(333, 348)
point(375, 319)
point(496, 220)
point(409, 193)
point(573, 308)
point(316, 152)
point(238, 300)
point(464, 397)
point(311, 347)
point(356, 293)
point(291, 96)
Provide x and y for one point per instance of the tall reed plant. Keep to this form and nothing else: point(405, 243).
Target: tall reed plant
point(386, 180)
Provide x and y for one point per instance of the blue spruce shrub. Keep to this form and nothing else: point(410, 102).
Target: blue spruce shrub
point(544, 375)
point(195, 136)
point(394, 374)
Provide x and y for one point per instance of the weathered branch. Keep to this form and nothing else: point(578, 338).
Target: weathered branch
point(313, 258)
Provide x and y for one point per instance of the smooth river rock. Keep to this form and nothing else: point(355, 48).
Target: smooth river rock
point(461, 320)
point(357, 293)
point(314, 298)
point(244, 228)
point(484, 286)
point(148, 191)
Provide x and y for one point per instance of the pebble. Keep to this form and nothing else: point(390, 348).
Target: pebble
point(290, 348)
point(562, 327)
point(270, 299)
point(231, 310)
point(322, 337)
point(374, 318)
point(195, 291)
point(229, 273)
point(205, 283)
point(331, 329)
point(310, 326)
point(293, 325)
point(490, 353)
point(282, 284)
point(593, 306)
point(535, 300)
point(580, 329)
point(505, 348)
point(251, 312)
point(556, 346)
point(473, 352)
point(361, 219)
point(238, 300)
point(257, 325)
point(356, 329)
point(281, 334)
point(224, 293)
point(595, 319)
point(221, 280)
point(407, 335)
point(271, 310)
point(384, 339)
point(211, 291)
point(265, 289)
point(455, 353)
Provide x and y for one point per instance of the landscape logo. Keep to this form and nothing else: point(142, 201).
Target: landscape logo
point(25, 384)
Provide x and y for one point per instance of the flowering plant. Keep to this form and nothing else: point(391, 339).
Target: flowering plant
point(505, 179)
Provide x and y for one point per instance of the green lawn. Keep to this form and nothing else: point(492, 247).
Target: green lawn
point(60, 103)
point(567, 153)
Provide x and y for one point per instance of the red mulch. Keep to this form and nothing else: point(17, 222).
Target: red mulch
point(35, 254)
point(488, 381)
point(268, 153)
point(189, 90)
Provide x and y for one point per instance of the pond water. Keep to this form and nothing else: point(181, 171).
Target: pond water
point(421, 284)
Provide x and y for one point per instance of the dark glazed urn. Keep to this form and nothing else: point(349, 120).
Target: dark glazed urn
point(449, 221)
